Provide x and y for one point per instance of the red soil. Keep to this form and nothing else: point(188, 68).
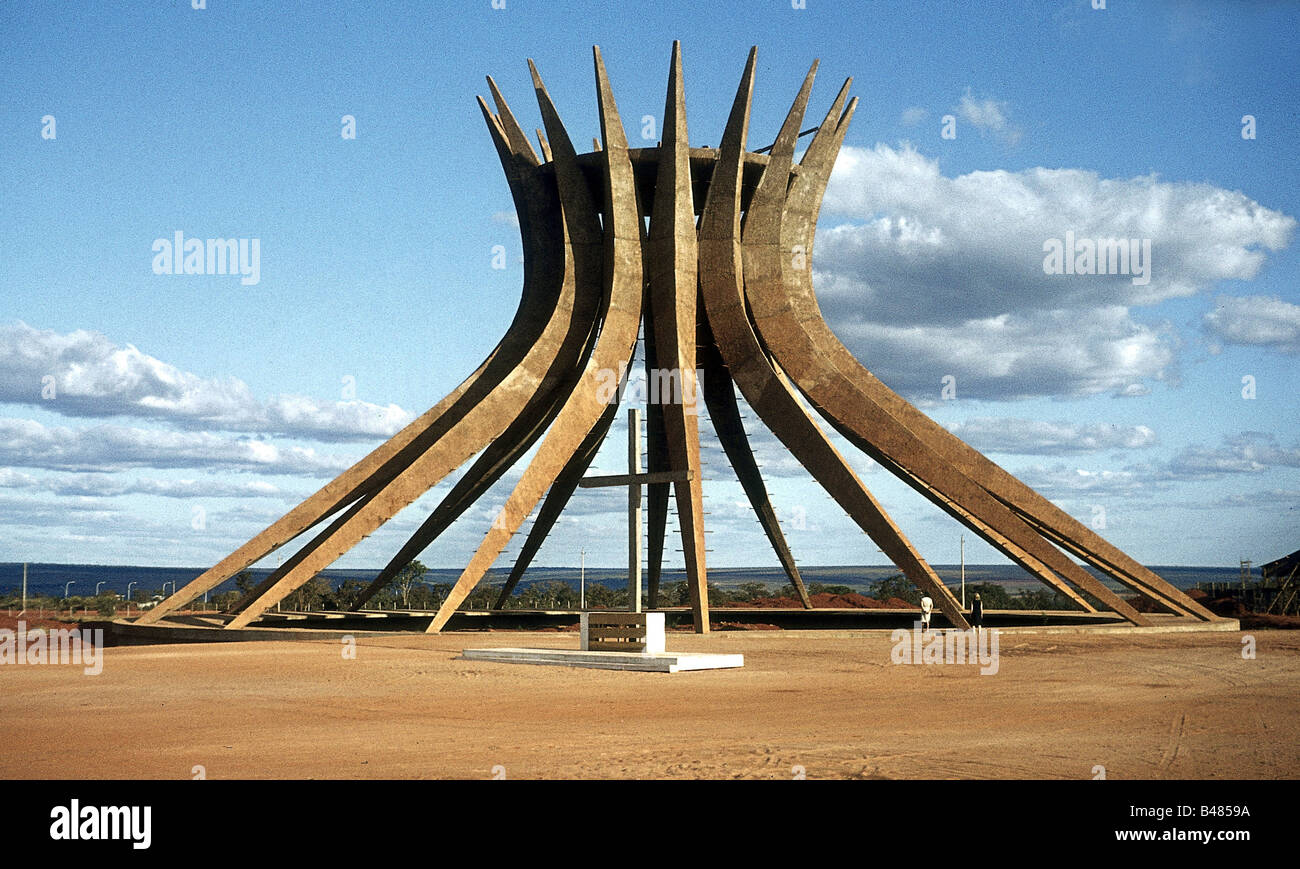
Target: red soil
point(31, 621)
point(852, 600)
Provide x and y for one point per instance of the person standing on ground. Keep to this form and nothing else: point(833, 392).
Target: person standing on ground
point(977, 613)
point(927, 606)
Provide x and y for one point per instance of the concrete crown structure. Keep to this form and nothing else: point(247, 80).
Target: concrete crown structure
point(710, 248)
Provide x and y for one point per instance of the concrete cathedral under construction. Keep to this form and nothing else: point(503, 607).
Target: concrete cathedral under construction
point(711, 249)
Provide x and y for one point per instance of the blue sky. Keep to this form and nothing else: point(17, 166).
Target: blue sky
point(188, 411)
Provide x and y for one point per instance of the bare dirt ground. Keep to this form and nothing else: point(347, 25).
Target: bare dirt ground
point(825, 706)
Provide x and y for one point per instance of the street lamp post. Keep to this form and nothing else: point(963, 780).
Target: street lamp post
point(97, 585)
point(963, 572)
point(66, 585)
point(128, 596)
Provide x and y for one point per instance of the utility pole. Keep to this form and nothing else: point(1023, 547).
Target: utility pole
point(582, 580)
point(24, 588)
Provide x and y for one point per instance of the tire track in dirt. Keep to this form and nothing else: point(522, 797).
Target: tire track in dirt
point(1175, 743)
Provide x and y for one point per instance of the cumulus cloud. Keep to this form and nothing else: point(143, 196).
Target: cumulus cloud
point(931, 275)
point(1063, 482)
point(1016, 355)
point(988, 116)
point(1036, 437)
point(84, 374)
point(913, 116)
point(1261, 321)
point(107, 448)
point(1247, 453)
point(1255, 499)
point(109, 485)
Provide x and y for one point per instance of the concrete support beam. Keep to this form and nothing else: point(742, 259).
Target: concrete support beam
point(731, 295)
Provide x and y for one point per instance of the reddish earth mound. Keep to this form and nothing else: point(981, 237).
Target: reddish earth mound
point(853, 600)
point(772, 603)
point(1145, 605)
point(1251, 621)
point(1226, 606)
point(897, 603)
point(31, 622)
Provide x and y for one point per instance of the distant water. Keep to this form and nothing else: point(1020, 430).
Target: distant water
point(49, 579)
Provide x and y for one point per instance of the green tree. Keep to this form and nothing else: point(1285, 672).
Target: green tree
point(481, 598)
point(898, 586)
point(224, 600)
point(346, 595)
point(406, 579)
point(311, 595)
point(438, 593)
point(551, 595)
point(601, 596)
point(244, 582)
point(749, 591)
point(106, 605)
point(992, 595)
point(1042, 599)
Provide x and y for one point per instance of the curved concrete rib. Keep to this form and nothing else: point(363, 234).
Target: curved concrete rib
point(524, 431)
point(720, 398)
point(673, 282)
point(557, 498)
point(294, 560)
point(722, 286)
point(784, 220)
point(540, 296)
point(776, 248)
point(490, 466)
point(1040, 513)
point(618, 243)
point(363, 477)
point(568, 320)
point(657, 460)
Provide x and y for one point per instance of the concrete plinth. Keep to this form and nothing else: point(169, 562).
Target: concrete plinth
point(662, 662)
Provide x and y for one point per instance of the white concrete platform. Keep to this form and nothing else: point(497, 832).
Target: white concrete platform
point(651, 662)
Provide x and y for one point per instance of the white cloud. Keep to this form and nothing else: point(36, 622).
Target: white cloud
point(1065, 482)
point(104, 448)
point(1246, 453)
point(988, 115)
point(936, 275)
point(1035, 437)
point(1264, 321)
point(92, 377)
point(1257, 498)
point(913, 115)
point(108, 485)
point(1015, 356)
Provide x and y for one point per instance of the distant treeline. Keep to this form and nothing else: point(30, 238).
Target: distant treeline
point(411, 590)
